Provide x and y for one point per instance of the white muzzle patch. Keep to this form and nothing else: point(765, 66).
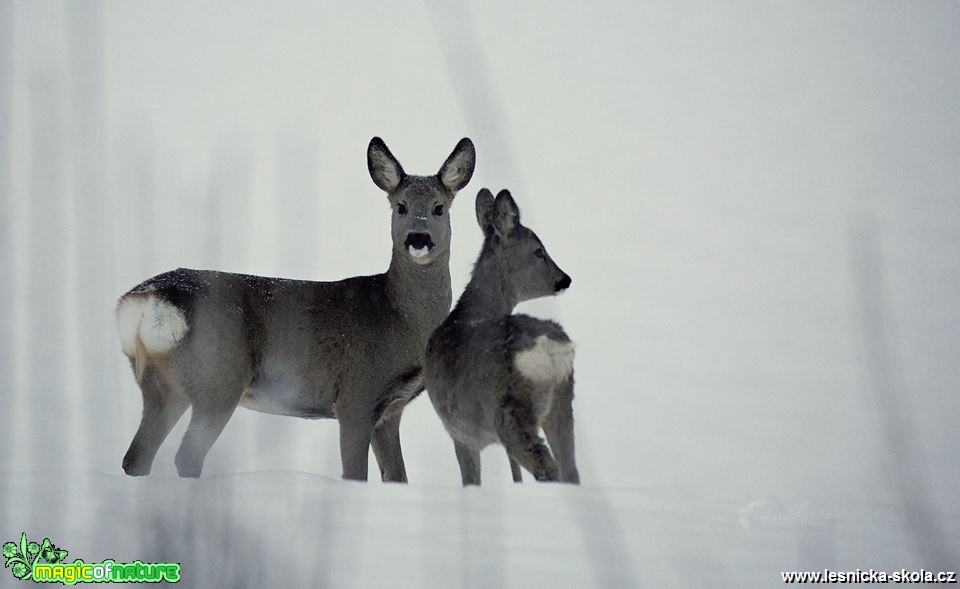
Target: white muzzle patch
point(547, 361)
point(417, 253)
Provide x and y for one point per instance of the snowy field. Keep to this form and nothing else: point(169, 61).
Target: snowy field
point(286, 528)
point(758, 203)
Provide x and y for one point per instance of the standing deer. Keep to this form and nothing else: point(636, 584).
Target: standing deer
point(350, 350)
point(495, 377)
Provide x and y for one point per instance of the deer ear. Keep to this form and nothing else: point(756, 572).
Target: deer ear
point(485, 211)
point(384, 168)
point(506, 215)
point(458, 169)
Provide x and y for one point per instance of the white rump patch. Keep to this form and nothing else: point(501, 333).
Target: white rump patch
point(547, 361)
point(159, 325)
point(418, 252)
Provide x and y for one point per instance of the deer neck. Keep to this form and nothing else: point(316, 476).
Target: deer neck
point(487, 296)
point(418, 292)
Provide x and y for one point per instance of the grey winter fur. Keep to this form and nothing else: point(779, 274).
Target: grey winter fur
point(350, 350)
point(498, 378)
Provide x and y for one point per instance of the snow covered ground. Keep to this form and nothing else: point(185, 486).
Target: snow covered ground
point(759, 205)
point(286, 528)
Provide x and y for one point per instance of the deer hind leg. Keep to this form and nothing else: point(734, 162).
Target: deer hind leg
point(469, 460)
point(517, 428)
point(386, 448)
point(206, 424)
point(558, 427)
point(163, 405)
point(215, 393)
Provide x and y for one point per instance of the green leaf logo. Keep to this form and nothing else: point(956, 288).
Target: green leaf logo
point(16, 557)
point(51, 553)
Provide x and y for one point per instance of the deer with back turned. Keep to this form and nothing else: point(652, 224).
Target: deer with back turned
point(495, 377)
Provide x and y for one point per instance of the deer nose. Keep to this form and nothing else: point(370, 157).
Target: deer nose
point(563, 283)
point(418, 240)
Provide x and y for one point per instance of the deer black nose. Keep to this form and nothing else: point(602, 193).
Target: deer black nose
point(418, 240)
point(563, 283)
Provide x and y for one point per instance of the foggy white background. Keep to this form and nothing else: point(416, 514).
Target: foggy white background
point(733, 189)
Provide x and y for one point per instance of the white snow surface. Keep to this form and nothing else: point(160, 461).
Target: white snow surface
point(287, 528)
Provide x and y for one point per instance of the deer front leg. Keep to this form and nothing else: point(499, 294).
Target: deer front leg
point(355, 437)
point(469, 460)
point(386, 449)
point(517, 429)
point(558, 427)
point(515, 471)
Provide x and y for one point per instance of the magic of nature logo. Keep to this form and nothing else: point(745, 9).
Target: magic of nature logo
point(44, 563)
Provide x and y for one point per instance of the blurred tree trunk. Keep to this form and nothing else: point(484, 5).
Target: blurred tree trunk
point(7, 269)
point(228, 203)
point(297, 209)
point(212, 232)
point(91, 256)
point(46, 204)
point(143, 197)
point(297, 202)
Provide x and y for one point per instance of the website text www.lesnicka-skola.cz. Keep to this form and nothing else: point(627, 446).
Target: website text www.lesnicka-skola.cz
point(903, 576)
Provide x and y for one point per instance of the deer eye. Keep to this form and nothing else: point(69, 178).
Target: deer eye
point(438, 210)
point(402, 209)
point(539, 253)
